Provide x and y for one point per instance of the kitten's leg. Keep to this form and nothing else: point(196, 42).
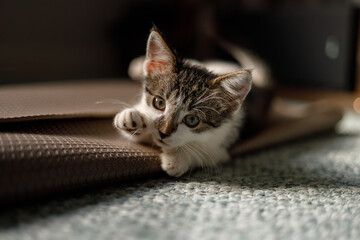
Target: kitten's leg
point(178, 161)
point(175, 163)
point(133, 125)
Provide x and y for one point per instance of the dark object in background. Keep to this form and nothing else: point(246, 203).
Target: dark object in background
point(310, 47)
point(57, 40)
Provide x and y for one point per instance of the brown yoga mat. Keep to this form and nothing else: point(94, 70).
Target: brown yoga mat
point(59, 137)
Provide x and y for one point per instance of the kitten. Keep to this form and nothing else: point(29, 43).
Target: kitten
point(191, 113)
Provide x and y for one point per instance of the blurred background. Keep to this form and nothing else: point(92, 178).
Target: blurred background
point(308, 44)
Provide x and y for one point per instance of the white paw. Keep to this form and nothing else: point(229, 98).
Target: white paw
point(173, 166)
point(130, 121)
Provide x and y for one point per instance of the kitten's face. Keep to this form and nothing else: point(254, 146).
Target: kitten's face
point(185, 106)
point(186, 100)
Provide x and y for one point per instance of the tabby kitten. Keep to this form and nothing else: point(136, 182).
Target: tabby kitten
point(191, 113)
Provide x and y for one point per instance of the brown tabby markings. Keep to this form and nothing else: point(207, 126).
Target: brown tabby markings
point(190, 88)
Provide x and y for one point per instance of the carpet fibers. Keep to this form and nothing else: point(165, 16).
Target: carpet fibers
point(309, 189)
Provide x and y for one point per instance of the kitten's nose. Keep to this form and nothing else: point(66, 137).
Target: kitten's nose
point(163, 135)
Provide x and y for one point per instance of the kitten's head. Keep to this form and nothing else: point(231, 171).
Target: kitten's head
point(188, 102)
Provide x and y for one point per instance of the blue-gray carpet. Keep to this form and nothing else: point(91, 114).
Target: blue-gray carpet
point(309, 189)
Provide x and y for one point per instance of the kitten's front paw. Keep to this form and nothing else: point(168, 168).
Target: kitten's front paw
point(172, 165)
point(130, 121)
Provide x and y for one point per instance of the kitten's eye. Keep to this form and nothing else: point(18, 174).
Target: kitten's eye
point(159, 103)
point(191, 121)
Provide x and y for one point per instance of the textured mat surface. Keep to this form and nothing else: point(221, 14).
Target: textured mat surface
point(44, 157)
point(309, 189)
point(65, 100)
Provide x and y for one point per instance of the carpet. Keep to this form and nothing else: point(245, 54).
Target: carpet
point(308, 189)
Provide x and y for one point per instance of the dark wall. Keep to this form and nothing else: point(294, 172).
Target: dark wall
point(44, 40)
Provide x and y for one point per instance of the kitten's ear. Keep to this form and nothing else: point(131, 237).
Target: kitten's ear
point(236, 84)
point(159, 58)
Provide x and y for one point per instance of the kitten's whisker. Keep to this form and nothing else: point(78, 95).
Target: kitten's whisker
point(195, 154)
point(113, 101)
point(200, 154)
point(221, 98)
point(209, 157)
point(212, 98)
point(204, 99)
point(209, 108)
point(137, 95)
point(199, 98)
point(132, 135)
point(200, 112)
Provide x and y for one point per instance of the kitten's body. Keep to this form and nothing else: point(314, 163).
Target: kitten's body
point(192, 114)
